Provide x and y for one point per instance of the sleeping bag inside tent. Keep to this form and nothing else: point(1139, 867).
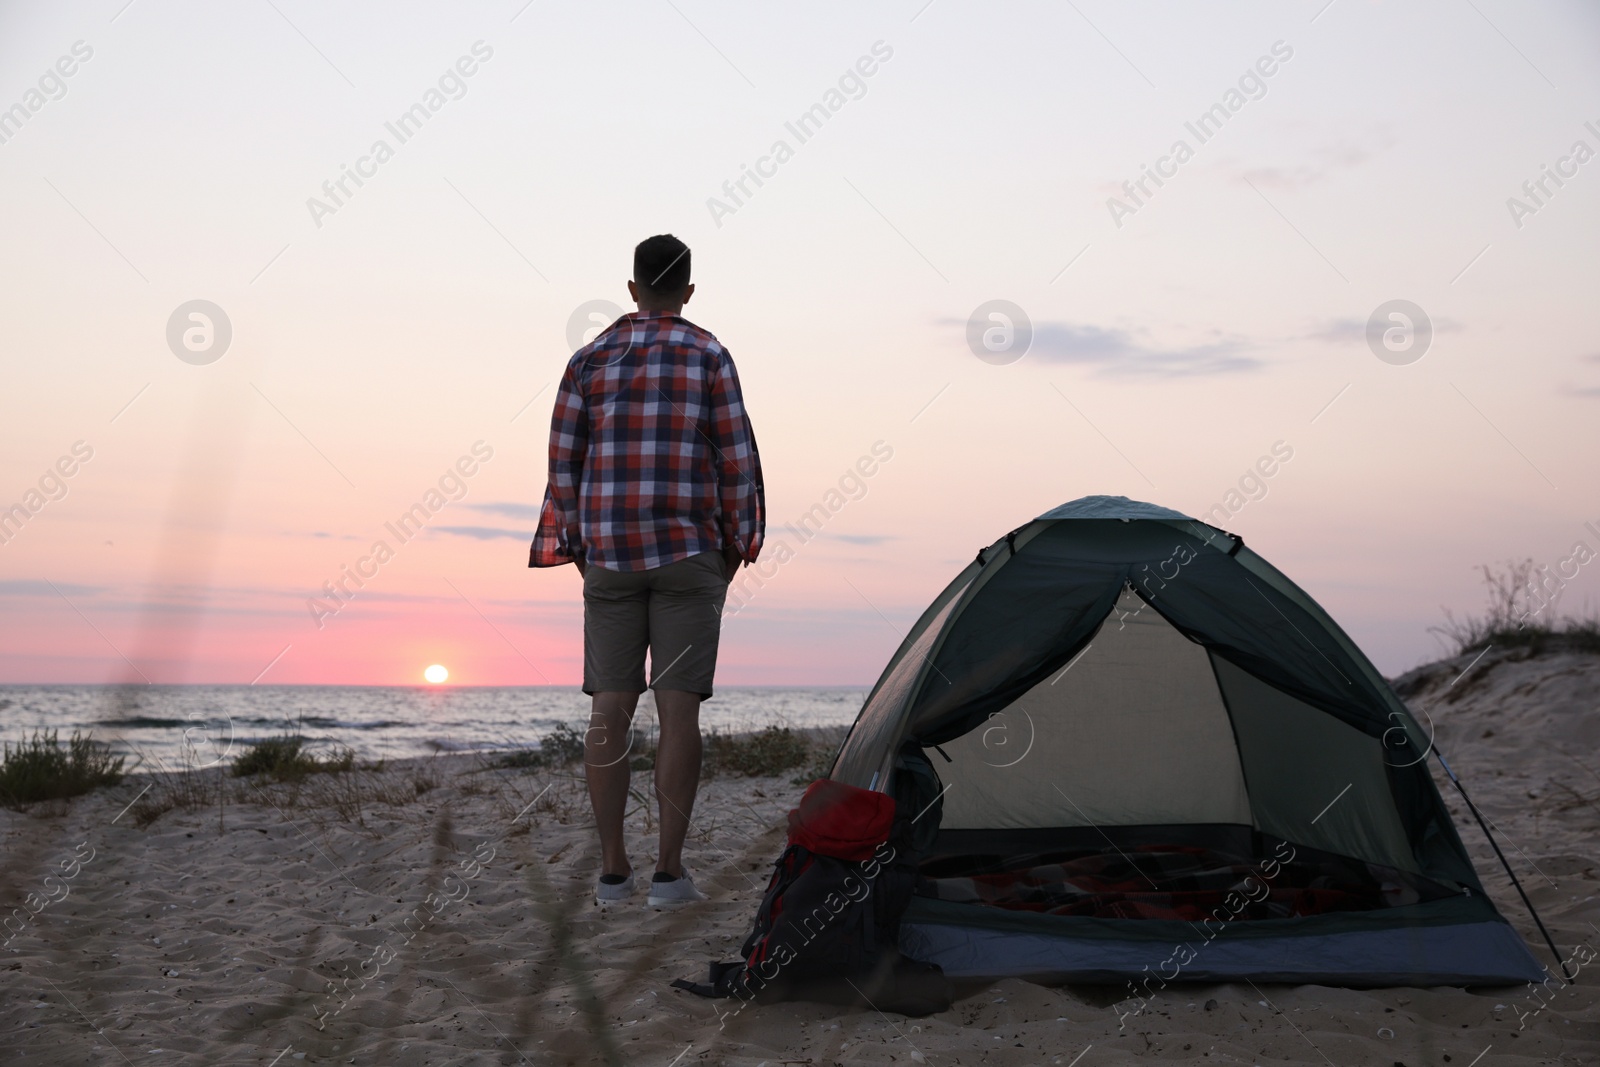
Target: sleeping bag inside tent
point(1160, 757)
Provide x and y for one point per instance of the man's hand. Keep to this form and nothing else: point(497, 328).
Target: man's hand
point(583, 565)
point(730, 562)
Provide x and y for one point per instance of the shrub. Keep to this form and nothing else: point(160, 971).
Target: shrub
point(558, 748)
point(518, 759)
point(284, 759)
point(769, 752)
point(561, 746)
point(41, 769)
point(819, 767)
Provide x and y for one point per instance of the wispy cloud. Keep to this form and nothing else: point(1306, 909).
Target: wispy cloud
point(862, 539)
point(508, 508)
point(1584, 390)
point(1339, 331)
point(485, 533)
point(1323, 163)
point(1118, 352)
point(1346, 331)
point(38, 587)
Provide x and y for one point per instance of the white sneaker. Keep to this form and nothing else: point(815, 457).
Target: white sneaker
point(677, 891)
point(610, 894)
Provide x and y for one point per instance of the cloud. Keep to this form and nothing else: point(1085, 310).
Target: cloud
point(863, 539)
point(485, 533)
point(1325, 162)
point(38, 587)
point(1347, 331)
point(1584, 390)
point(1339, 331)
point(1117, 352)
point(508, 508)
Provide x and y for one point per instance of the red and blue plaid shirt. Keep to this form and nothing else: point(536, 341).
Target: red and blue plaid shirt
point(652, 458)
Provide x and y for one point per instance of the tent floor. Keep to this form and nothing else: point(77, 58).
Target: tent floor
point(1199, 903)
point(1486, 952)
point(1179, 872)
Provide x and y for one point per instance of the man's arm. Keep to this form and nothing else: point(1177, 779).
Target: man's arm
point(740, 490)
point(559, 539)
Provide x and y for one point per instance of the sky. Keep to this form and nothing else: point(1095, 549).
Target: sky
point(1160, 336)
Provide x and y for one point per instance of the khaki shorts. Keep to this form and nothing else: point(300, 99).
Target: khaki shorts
point(675, 611)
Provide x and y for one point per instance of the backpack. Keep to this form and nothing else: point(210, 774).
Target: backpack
point(828, 924)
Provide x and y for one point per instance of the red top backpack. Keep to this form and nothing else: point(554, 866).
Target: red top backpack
point(828, 925)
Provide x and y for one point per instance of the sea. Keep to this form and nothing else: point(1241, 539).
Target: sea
point(174, 726)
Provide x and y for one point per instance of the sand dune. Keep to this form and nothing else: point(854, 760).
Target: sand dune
point(449, 921)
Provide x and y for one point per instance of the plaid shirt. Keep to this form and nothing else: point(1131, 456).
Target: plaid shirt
point(652, 458)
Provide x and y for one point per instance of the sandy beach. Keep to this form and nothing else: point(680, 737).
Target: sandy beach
point(1119, 411)
point(437, 912)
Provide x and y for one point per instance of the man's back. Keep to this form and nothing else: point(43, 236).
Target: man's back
point(652, 456)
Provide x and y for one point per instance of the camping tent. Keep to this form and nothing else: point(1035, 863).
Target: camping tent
point(1161, 758)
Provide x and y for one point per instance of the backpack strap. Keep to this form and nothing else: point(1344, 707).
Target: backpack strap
point(699, 989)
point(721, 981)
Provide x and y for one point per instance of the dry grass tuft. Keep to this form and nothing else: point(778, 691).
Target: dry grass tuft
point(1516, 615)
point(187, 788)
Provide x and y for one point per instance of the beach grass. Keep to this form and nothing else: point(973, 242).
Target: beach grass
point(563, 745)
point(43, 769)
point(284, 759)
point(1519, 614)
point(279, 772)
point(771, 750)
point(765, 753)
point(820, 765)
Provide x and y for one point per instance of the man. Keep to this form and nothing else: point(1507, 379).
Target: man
point(655, 493)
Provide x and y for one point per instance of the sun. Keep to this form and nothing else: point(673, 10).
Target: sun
point(436, 673)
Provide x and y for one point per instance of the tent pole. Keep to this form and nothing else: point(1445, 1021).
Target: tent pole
point(1504, 863)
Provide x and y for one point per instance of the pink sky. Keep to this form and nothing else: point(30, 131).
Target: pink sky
point(372, 346)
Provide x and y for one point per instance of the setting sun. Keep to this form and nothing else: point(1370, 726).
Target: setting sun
point(436, 673)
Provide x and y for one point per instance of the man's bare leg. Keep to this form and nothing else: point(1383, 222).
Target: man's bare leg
point(605, 765)
point(677, 772)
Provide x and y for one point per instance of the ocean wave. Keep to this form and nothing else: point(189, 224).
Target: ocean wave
point(320, 722)
point(444, 744)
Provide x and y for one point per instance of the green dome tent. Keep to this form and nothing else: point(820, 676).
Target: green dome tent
point(1163, 761)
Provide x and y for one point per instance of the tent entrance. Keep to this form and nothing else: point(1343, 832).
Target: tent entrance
point(1149, 778)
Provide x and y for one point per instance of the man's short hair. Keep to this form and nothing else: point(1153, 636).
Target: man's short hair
point(661, 265)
